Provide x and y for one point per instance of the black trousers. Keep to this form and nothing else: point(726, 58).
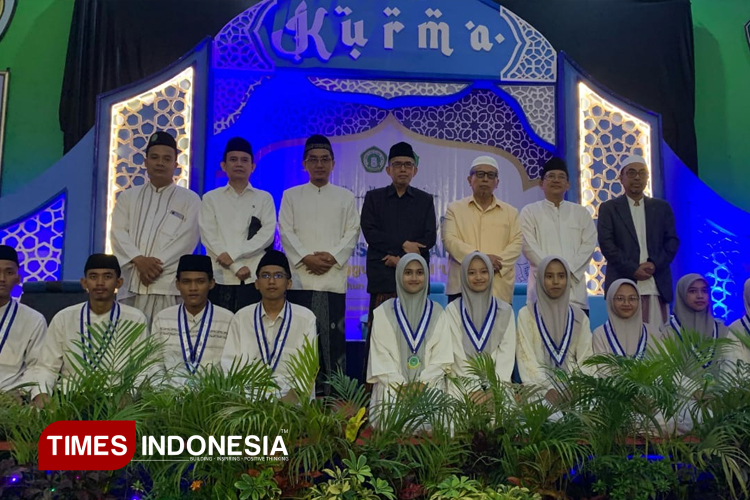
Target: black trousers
point(330, 311)
point(234, 297)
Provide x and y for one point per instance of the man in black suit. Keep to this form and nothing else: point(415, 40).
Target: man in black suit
point(637, 237)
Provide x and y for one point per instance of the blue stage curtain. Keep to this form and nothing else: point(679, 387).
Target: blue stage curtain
point(639, 49)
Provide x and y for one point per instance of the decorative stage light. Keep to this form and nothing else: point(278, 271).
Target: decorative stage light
point(168, 106)
point(607, 135)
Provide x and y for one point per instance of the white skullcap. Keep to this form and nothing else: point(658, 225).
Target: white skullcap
point(485, 160)
point(631, 160)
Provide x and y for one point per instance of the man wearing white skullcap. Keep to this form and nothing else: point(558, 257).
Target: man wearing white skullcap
point(483, 223)
point(637, 237)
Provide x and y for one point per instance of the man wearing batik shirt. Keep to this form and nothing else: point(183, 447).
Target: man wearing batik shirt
point(193, 333)
point(237, 223)
point(152, 226)
point(272, 330)
point(22, 329)
point(101, 280)
point(319, 227)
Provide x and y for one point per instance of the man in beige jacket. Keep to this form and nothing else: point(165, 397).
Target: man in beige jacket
point(483, 223)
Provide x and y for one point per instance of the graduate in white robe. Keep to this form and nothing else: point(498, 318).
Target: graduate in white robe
point(237, 224)
point(740, 327)
point(101, 279)
point(479, 322)
point(407, 342)
point(152, 226)
point(554, 226)
point(625, 333)
point(319, 228)
point(692, 312)
point(192, 334)
point(552, 332)
point(22, 329)
point(273, 330)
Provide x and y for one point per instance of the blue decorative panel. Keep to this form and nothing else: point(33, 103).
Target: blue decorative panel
point(38, 239)
point(720, 253)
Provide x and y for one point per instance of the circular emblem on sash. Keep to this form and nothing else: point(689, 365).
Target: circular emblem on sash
point(413, 362)
point(374, 159)
point(7, 8)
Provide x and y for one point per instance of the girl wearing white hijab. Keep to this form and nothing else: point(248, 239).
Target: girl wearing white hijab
point(478, 322)
point(552, 332)
point(738, 328)
point(624, 333)
point(407, 345)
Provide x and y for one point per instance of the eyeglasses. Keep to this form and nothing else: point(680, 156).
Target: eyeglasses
point(632, 174)
point(620, 299)
point(314, 160)
point(408, 165)
point(276, 276)
point(481, 174)
point(553, 177)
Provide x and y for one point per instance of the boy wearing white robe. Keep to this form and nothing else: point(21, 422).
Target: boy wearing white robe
point(408, 341)
point(192, 334)
point(273, 330)
point(152, 226)
point(237, 224)
point(101, 280)
point(22, 329)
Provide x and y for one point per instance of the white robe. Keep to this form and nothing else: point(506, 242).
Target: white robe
point(738, 352)
point(315, 219)
point(22, 345)
point(64, 329)
point(534, 360)
point(165, 330)
point(385, 368)
point(242, 343)
point(224, 222)
point(567, 231)
point(161, 223)
point(503, 353)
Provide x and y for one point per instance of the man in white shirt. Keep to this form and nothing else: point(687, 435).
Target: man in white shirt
point(193, 333)
point(319, 227)
point(237, 224)
point(554, 226)
point(273, 330)
point(101, 280)
point(638, 238)
point(152, 226)
point(22, 329)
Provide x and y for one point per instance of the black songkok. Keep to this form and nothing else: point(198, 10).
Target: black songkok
point(274, 258)
point(317, 141)
point(102, 261)
point(8, 253)
point(402, 149)
point(196, 263)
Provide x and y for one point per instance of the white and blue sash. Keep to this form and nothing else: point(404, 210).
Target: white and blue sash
point(7, 322)
point(479, 338)
point(85, 323)
point(271, 357)
point(677, 327)
point(614, 343)
point(192, 353)
point(557, 353)
point(413, 338)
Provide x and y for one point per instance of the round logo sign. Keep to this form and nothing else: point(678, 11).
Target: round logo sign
point(374, 159)
point(7, 8)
